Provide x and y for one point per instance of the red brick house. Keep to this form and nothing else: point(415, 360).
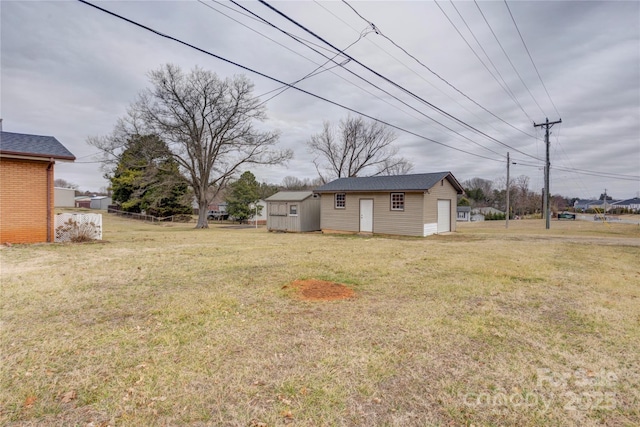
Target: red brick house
point(26, 186)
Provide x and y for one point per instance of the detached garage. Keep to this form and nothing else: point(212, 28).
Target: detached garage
point(409, 205)
point(293, 211)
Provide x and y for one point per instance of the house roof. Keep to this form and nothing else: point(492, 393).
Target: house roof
point(22, 144)
point(290, 196)
point(414, 182)
point(628, 202)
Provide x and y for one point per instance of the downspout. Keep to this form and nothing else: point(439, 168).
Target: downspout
point(49, 188)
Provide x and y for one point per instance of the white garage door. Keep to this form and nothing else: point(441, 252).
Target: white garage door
point(444, 216)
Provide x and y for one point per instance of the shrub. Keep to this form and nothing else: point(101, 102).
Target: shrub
point(77, 232)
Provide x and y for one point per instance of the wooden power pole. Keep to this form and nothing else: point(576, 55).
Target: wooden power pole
point(547, 211)
point(506, 225)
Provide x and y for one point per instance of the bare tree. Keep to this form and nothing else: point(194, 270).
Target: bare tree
point(62, 183)
point(292, 183)
point(207, 123)
point(356, 148)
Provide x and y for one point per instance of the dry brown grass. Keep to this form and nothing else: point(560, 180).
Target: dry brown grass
point(166, 325)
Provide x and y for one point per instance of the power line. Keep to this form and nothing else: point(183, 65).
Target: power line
point(158, 33)
point(379, 32)
point(260, 20)
point(369, 82)
point(390, 81)
point(507, 91)
point(508, 58)
point(531, 58)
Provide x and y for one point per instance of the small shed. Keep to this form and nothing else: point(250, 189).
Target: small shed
point(83, 202)
point(101, 202)
point(293, 211)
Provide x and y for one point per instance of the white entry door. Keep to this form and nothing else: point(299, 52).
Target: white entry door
point(444, 216)
point(366, 215)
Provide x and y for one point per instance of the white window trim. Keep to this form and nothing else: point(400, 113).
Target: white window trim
point(335, 201)
point(297, 207)
point(391, 202)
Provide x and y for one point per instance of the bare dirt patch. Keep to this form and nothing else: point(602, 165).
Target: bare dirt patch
point(320, 290)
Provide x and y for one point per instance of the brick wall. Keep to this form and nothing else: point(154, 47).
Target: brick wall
point(23, 201)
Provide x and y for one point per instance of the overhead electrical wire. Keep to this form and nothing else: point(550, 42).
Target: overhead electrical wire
point(158, 33)
point(369, 82)
point(481, 61)
point(531, 58)
point(508, 58)
point(201, 50)
point(381, 33)
point(297, 38)
point(392, 82)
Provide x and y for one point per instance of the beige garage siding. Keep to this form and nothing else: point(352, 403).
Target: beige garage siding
point(385, 221)
point(347, 219)
point(441, 191)
point(407, 222)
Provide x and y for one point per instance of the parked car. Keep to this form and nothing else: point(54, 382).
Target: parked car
point(217, 215)
point(567, 215)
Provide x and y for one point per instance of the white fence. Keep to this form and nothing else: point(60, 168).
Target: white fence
point(78, 227)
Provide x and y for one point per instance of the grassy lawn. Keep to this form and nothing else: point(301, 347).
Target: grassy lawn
point(166, 325)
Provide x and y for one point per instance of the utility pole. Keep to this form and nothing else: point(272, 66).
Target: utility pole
point(506, 225)
point(547, 125)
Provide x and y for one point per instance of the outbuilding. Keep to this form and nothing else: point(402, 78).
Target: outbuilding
point(26, 186)
point(410, 205)
point(100, 202)
point(293, 211)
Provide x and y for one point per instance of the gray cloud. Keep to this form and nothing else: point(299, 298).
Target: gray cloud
point(71, 71)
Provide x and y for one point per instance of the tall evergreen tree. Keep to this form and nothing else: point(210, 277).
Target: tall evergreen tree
point(147, 178)
point(243, 197)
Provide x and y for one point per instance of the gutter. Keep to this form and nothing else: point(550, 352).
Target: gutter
point(49, 187)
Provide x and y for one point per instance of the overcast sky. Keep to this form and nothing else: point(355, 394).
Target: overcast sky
point(69, 70)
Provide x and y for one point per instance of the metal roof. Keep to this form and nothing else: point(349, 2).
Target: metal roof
point(415, 182)
point(22, 144)
point(289, 196)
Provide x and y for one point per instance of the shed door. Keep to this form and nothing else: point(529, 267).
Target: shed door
point(444, 216)
point(366, 215)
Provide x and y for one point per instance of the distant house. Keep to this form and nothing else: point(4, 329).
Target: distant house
point(100, 202)
point(410, 205)
point(582, 205)
point(294, 211)
point(463, 213)
point(27, 168)
point(595, 205)
point(632, 205)
point(64, 197)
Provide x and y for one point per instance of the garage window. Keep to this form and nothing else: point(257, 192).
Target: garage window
point(341, 200)
point(397, 201)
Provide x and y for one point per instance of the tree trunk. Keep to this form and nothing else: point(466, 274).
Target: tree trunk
point(203, 207)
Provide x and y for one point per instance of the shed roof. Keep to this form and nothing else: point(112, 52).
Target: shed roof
point(414, 182)
point(22, 144)
point(290, 196)
point(463, 209)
